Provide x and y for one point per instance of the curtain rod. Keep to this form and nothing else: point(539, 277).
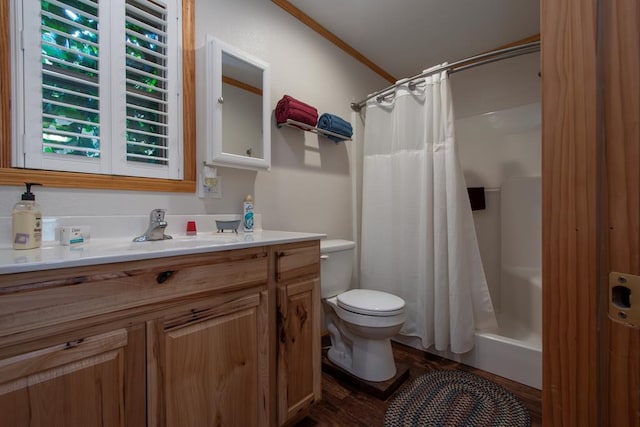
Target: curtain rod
point(454, 67)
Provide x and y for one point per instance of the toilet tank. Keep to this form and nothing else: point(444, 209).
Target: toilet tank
point(336, 266)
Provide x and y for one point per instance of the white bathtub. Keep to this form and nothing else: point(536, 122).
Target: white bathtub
point(516, 352)
point(514, 359)
point(520, 314)
point(510, 237)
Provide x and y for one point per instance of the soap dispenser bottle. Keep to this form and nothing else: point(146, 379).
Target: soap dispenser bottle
point(27, 221)
point(247, 213)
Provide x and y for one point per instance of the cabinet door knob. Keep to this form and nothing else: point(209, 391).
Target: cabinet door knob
point(162, 277)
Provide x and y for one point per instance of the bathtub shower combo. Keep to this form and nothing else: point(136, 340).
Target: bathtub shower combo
point(515, 350)
point(418, 238)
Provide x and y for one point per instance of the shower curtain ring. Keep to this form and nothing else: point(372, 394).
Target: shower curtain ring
point(382, 97)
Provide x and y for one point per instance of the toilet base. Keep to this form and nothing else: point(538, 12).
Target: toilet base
point(380, 389)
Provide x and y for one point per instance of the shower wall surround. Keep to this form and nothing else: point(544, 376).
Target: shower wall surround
point(493, 147)
point(498, 135)
point(497, 145)
point(498, 131)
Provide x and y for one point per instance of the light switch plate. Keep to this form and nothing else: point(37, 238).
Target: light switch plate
point(209, 187)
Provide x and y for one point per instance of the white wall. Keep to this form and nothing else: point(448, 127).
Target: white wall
point(309, 185)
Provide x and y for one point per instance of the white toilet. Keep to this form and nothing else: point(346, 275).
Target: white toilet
point(360, 321)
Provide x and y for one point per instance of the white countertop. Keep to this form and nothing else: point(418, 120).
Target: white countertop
point(120, 249)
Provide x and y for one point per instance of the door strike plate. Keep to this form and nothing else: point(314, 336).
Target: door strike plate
point(624, 298)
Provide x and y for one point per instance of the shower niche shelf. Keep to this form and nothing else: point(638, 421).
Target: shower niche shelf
point(303, 126)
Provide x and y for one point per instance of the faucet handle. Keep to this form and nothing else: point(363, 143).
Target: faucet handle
point(156, 215)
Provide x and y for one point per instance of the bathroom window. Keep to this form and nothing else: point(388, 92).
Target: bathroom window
point(101, 85)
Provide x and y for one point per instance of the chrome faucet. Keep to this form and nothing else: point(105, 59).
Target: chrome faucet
point(155, 230)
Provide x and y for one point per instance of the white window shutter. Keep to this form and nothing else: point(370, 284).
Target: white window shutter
point(63, 72)
point(150, 53)
point(100, 82)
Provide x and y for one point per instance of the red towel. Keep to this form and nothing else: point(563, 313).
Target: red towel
point(290, 108)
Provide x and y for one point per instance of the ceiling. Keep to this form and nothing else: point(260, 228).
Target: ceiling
point(404, 37)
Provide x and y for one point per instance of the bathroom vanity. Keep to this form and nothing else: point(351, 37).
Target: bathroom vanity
point(221, 335)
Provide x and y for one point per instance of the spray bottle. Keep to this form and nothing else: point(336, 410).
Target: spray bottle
point(247, 213)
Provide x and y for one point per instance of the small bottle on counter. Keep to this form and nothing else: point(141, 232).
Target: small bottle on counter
point(247, 213)
point(27, 221)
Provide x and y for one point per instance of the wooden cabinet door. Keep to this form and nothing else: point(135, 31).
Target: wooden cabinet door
point(209, 364)
point(77, 383)
point(299, 372)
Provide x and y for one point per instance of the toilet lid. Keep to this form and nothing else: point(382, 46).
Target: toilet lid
point(370, 302)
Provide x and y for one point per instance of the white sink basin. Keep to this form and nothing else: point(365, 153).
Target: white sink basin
point(177, 242)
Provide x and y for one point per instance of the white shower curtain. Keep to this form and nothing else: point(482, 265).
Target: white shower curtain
point(418, 237)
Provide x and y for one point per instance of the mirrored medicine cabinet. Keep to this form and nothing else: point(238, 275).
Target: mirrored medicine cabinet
point(238, 107)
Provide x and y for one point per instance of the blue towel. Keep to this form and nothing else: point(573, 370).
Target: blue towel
point(335, 124)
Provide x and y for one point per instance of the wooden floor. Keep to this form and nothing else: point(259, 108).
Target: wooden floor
point(344, 405)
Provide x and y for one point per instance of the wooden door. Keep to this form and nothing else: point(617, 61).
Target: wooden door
point(299, 382)
point(77, 383)
point(591, 209)
point(619, 343)
point(209, 364)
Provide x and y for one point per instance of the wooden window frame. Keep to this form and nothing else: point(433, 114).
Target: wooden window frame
point(18, 176)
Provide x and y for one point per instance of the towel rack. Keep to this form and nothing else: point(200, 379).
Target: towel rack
point(313, 129)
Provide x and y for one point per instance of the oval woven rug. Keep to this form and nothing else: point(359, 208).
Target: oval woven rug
point(455, 398)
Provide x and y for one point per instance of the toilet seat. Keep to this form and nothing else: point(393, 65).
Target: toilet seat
point(371, 303)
